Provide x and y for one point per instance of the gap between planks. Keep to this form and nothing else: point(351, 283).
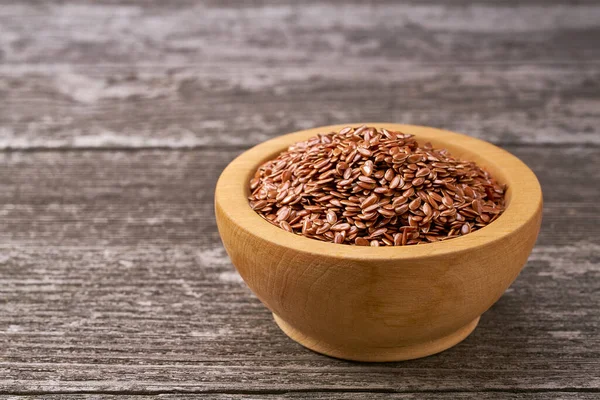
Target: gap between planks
point(234, 147)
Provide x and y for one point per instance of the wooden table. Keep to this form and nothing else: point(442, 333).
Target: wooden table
point(116, 118)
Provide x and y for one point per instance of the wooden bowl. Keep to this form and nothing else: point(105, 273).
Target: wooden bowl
point(380, 303)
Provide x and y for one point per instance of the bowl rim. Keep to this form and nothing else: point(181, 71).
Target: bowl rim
point(524, 191)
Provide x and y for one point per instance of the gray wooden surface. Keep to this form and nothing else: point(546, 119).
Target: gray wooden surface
point(116, 118)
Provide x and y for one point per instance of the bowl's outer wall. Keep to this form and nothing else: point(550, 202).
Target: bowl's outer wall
point(357, 304)
point(360, 303)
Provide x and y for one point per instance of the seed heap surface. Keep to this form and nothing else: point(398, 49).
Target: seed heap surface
point(374, 187)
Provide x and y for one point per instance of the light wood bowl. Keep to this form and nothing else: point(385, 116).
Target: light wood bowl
point(380, 303)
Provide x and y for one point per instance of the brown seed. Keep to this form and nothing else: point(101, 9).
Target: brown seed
point(469, 192)
point(371, 208)
point(372, 199)
point(418, 181)
point(423, 195)
point(287, 199)
point(378, 232)
point(349, 203)
point(347, 173)
point(366, 179)
point(307, 226)
point(322, 229)
point(447, 201)
point(367, 168)
point(284, 225)
point(321, 164)
point(413, 205)
point(427, 209)
point(408, 192)
point(415, 158)
point(435, 196)
point(259, 205)
point(283, 213)
point(398, 201)
point(382, 190)
point(364, 152)
point(386, 213)
point(359, 241)
point(341, 167)
point(374, 243)
point(397, 181)
point(340, 227)
point(360, 224)
point(404, 238)
point(476, 204)
point(422, 172)
point(389, 174)
point(387, 241)
point(402, 209)
point(368, 186)
point(331, 217)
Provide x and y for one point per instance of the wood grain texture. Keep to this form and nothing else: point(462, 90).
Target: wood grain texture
point(242, 104)
point(189, 32)
point(191, 74)
point(500, 395)
point(112, 277)
point(164, 319)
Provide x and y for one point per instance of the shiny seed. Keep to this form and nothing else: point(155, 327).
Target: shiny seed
point(366, 179)
point(422, 172)
point(427, 209)
point(364, 152)
point(413, 205)
point(284, 225)
point(418, 181)
point(372, 199)
point(397, 181)
point(402, 209)
point(367, 168)
point(331, 217)
point(341, 227)
point(359, 241)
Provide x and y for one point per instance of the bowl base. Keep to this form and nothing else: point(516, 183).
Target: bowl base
point(409, 352)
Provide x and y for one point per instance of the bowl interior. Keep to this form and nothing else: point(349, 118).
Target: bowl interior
point(523, 195)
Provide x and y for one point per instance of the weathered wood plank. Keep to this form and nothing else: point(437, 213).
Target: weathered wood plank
point(244, 104)
point(129, 198)
point(112, 276)
point(209, 74)
point(508, 395)
point(286, 32)
point(152, 319)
